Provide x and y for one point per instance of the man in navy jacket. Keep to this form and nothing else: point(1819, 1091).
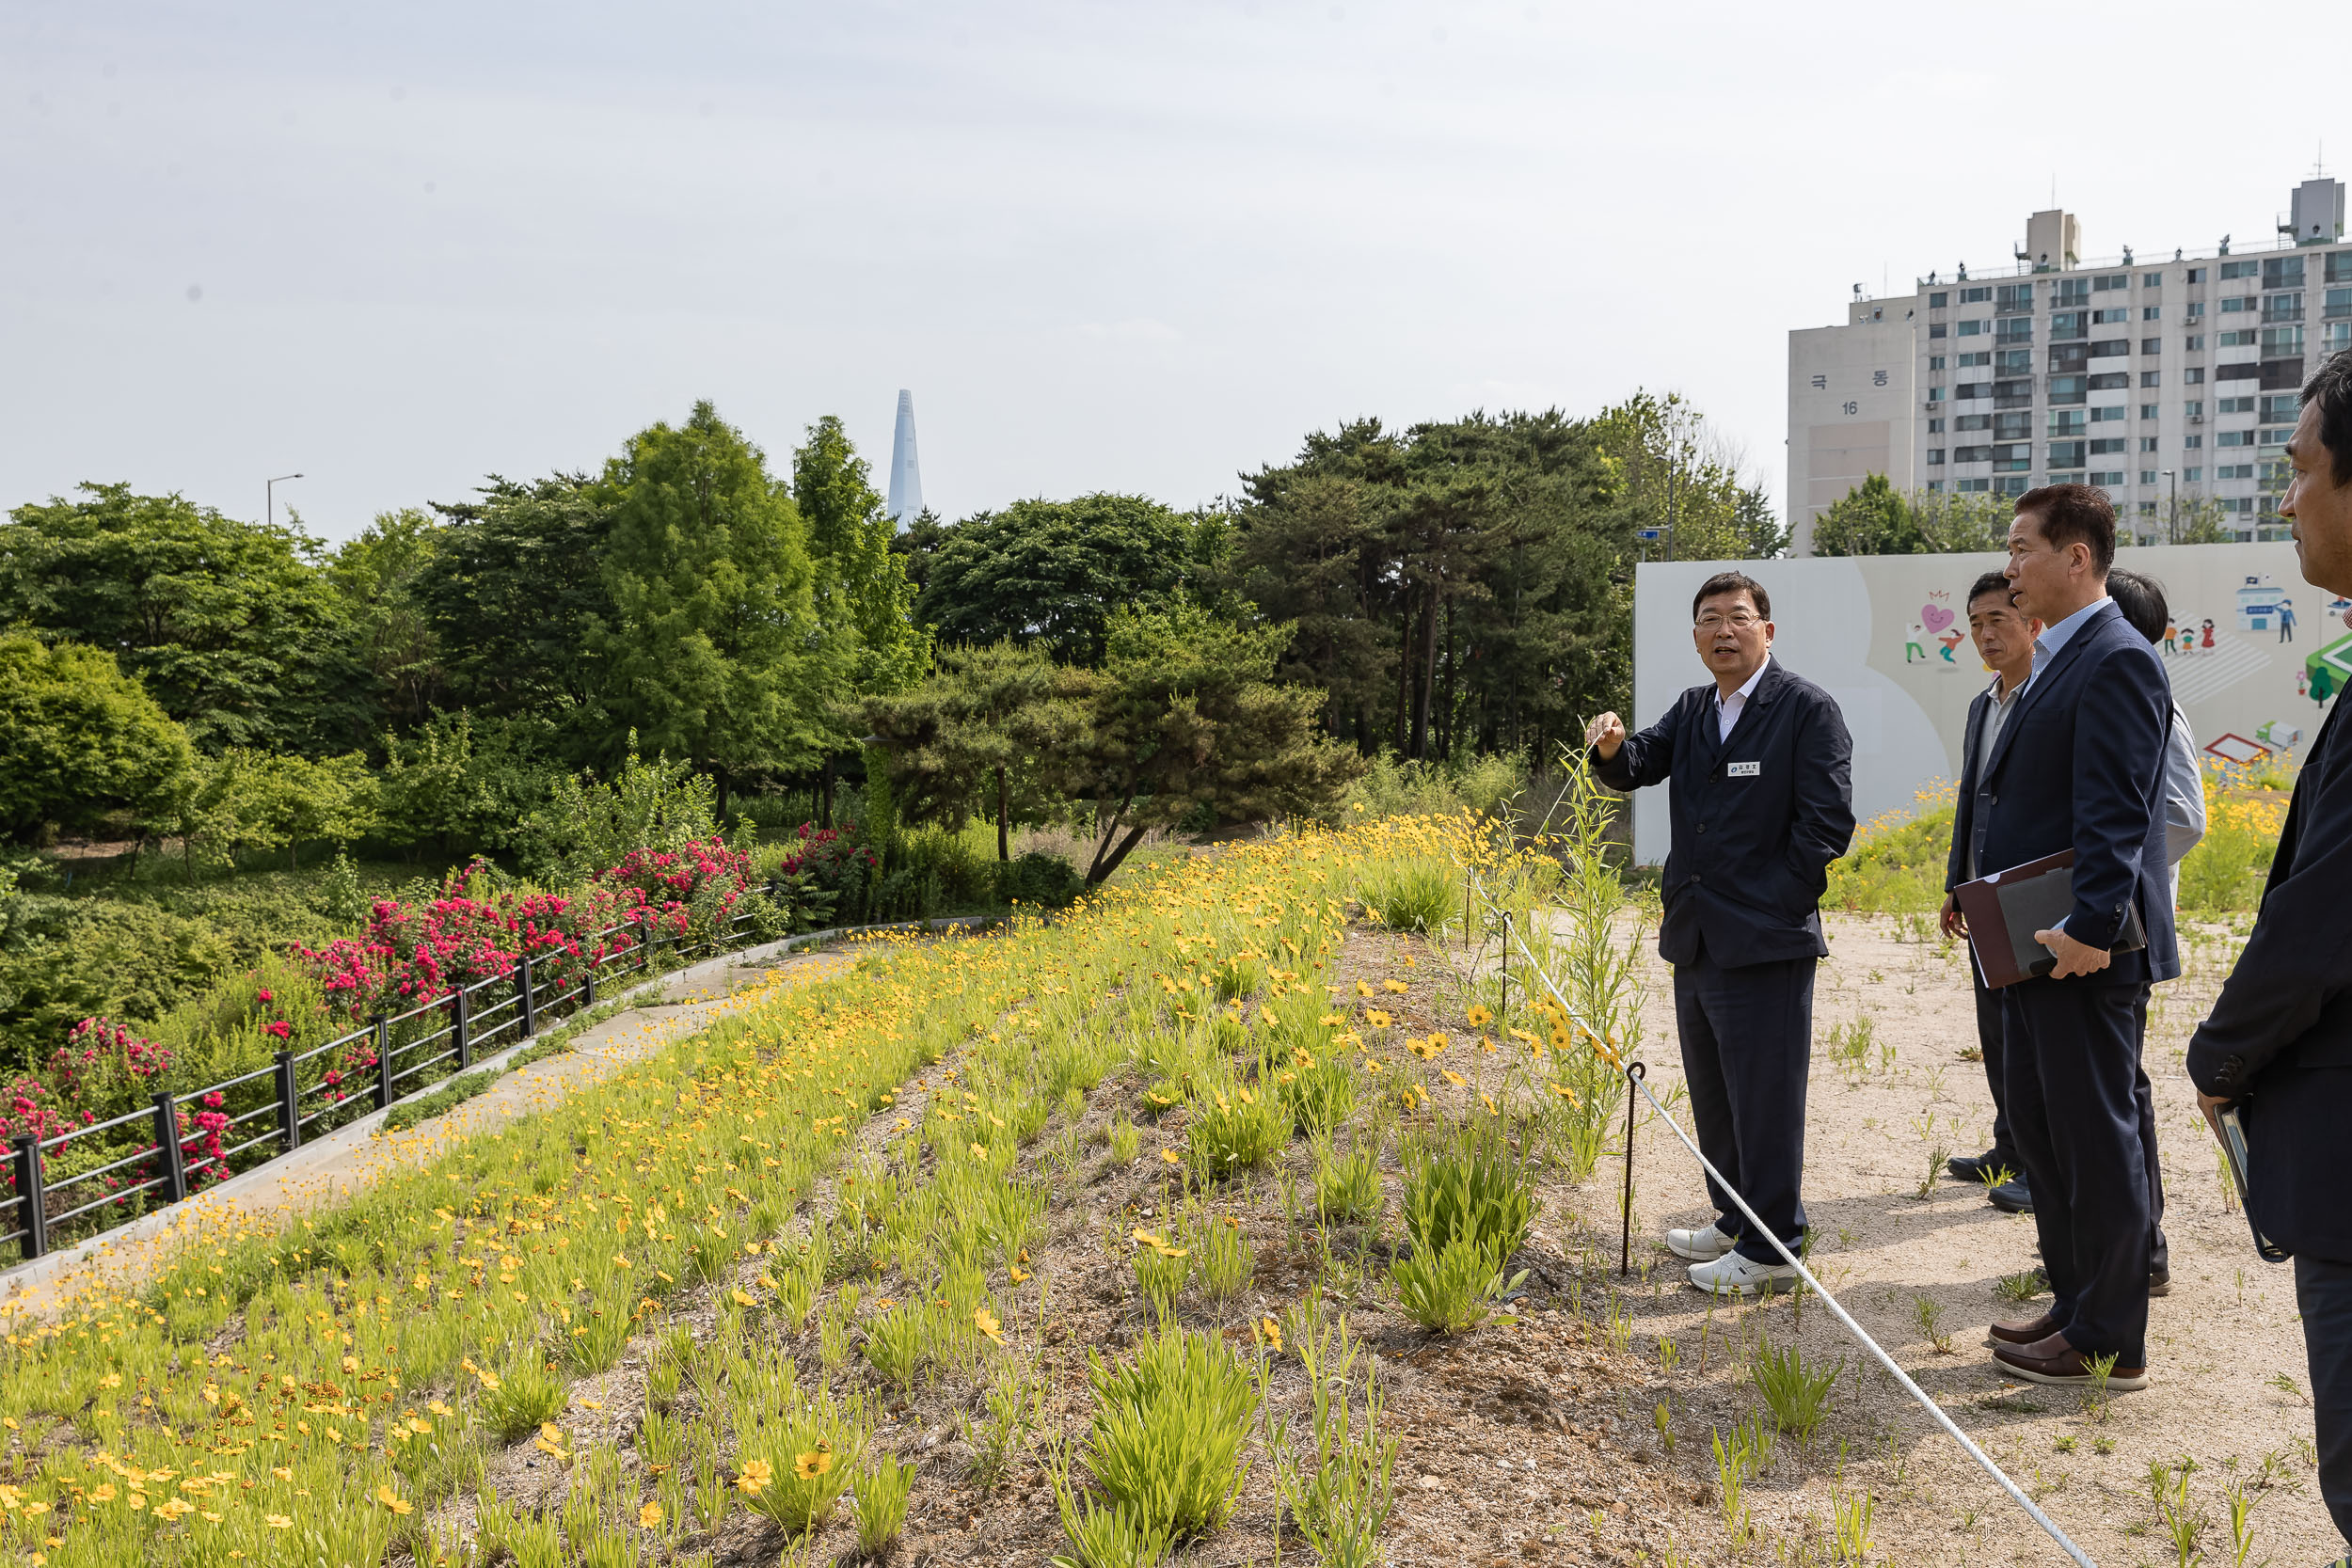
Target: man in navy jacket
point(1762, 802)
point(2079, 765)
point(2280, 1038)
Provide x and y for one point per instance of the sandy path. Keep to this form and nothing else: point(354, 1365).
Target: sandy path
point(2217, 1343)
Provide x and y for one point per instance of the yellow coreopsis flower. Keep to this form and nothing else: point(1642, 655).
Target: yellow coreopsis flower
point(394, 1500)
point(649, 1517)
point(753, 1477)
point(808, 1467)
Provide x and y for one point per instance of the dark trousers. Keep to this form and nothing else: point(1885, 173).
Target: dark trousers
point(1989, 1042)
point(2071, 1066)
point(2323, 1293)
point(1747, 1040)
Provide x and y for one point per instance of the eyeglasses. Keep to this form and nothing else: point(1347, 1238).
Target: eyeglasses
point(1738, 620)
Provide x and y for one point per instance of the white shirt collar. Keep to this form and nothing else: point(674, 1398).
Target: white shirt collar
point(1747, 689)
point(2057, 635)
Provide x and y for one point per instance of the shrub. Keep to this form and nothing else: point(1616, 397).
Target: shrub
point(881, 1504)
point(525, 1395)
point(1169, 1432)
point(1040, 879)
point(1320, 1091)
point(1232, 1128)
point(1446, 1291)
point(810, 1455)
point(1472, 1188)
point(1797, 1395)
point(1347, 1186)
point(1897, 860)
point(894, 1345)
point(1413, 895)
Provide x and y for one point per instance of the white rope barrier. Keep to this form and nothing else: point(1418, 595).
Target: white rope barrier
point(2017, 1494)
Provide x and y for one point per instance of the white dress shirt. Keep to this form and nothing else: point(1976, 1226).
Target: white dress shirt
point(2057, 635)
point(1727, 709)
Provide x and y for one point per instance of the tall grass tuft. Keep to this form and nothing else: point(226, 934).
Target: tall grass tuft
point(1413, 895)
point(1168, 1434)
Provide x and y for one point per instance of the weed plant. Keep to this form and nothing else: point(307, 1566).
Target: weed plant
point(1338, 1478)
point(1166, 1447)
point(1412, 895)
point(1232, 1128)
point(1347, 1185)
point(881, 1497)
point(1796, 1394)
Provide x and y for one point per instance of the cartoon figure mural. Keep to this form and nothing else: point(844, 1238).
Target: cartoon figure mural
point(2207, 643)
point(1944, 626)
point(2286, 620)
point(1914, 648)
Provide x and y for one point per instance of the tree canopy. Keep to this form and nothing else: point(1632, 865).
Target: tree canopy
point(79, 740)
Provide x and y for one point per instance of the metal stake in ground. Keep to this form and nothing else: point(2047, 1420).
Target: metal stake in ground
point(1634, 1072)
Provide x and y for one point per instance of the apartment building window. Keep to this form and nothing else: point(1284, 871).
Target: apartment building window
point(2016, 486)
point(1978, 485)
point(1974, 296)
point(2152, 379)
point(2066, 325)
point(2196, 310)
point(2113, 280)
point(2147, 410)
point(2067, 421)
point(2192, 443)
point(1981, 357)
point(1972, 455)
point(2193, 410)
point(1972, 329)
point(2106, 447)
point(2012, 297)
point(1934, 485)
point(2337, 302)
point(2339, 266)
point(2151, 280)
point(2070, 291)
point(2194, 342)
point(2110, 381)
point(2232, 470)
point(2147, 443)
point(1969, 422)
point(2108, 479)
point(1936, 362)
point(2012, 460)
point(2283, 308)
point(1935, 330)
point(2193, 376)
point(1935, 456)
point(2280, 410)
point(2012, 394)
point(2111, 348)
point(2108, 416)
point(2240, 269)
point(2151, 313)
point(2233, 405)
point(2196, 274)
point(2109, 318)
point(1938, 301)
point(2283, 272)
point(2148, 476)
point(2069, 357)
point(2233, 438)
point(1935, 427)
point(2277, 435)
point(2151, 345)
point(2241, 304)
point(1935, 394)
point(2013, 427)
point(2335, 335)
point(2243, 337)
point(2014, 361)
point(1969, 391)
point(2192, 476)
point(2282, 343)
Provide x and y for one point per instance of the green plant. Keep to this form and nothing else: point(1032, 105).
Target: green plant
point(2184, 1520)
point(881, 1499)
point(1347, 1186)
point(1734, 1464)
point(1797, 1395)
point(1930, 1316)
point(1412, 895)
point(1340, 1488)
point(1467, 1186)
point(1126, 1140)
point(811, 1455)
point(894, 1345)
point(1232, 1128)
point(1015, 1403)
point(526, 1395)
point(2021, 1286)
point(1850, 1536)
point(1220, 1257)
point(1449, 1290)
point(1320, 1091)
point(1167, 1443)
point(1102, 1536)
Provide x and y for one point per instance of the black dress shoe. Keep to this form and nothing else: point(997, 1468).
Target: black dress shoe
point(2012, 1197)
point(1972, 1168)
point(2160, 1282)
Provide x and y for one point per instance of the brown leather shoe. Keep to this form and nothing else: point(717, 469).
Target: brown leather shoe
point(2025, 1333)
point(2056, 1361)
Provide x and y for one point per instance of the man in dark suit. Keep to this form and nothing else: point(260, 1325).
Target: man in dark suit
point(1762, 802)
point(2280, 1038)
point(2079, 765)
point(2004, 637)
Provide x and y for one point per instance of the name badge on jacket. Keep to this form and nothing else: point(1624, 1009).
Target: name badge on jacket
point(1744, 770)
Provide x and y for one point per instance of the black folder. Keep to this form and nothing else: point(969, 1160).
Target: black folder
point(2005, 908)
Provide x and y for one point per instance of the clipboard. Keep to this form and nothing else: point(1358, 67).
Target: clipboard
point(2229, 1124)
point(2005, 908)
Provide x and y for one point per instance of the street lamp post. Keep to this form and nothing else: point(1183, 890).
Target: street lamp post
point(269, 497)
point(2172, 518)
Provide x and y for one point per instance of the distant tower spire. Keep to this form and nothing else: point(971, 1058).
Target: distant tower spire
point(906, 474)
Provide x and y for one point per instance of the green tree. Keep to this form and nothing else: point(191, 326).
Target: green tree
point(719, 655)
point(80, 741)
point(519, 610)
point(1872, 519)
point(1053, 572)
point(377, 575)
point(230, 625)
point(458, 781)
point(976, 733)
point(1184, 723)
point(849, 537)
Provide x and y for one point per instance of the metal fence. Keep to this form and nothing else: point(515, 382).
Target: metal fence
point(479, 1019)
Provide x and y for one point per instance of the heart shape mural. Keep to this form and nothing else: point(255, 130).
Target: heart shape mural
point(1935, 617)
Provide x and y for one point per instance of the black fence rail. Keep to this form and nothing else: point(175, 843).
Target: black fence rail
point(197, 1136)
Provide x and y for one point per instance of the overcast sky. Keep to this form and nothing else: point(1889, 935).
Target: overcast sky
point(1107, 246)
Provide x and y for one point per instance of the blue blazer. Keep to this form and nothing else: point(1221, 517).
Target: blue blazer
point(2281, 1032)
point(2079, 765)
point(1758, 817)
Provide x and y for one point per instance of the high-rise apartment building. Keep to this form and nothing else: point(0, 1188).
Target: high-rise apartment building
point(2151, 379)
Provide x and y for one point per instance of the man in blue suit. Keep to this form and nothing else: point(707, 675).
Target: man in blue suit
point(2079, 765)
point(1762, 802)
point(2280, 1038)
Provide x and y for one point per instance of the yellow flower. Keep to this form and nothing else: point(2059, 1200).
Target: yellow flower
point(985, 1320)
point(742, 1298)
point(808, 1467)
point(1362, 990)
point(1019, 1274)
point(1271, 1332)
point(112, 1379)
point(550, 1433)
point(1172, 1157)
point(103, 1493)
point(276, 1521)
point(1378, 1019)
point(651, 1515)
point(1394, 985)
point(1454, 1077)
point(392, 1500)
point(754, 1475)
point(1479, 1016)
point(979, 1151)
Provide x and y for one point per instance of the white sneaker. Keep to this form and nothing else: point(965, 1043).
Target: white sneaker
point(1700, 1246)
point(1733, 1276)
